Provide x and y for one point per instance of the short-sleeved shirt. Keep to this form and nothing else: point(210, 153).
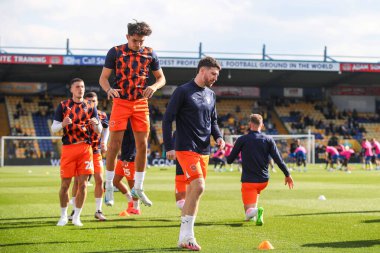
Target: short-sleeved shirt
point(376, 147)
point(95, 137)
point(128, 146)
point(300, 149)
point(347, 153)
point(80, 114)
point(131, 69)
point(331, 150)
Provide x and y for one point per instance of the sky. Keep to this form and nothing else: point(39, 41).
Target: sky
point(241, 27)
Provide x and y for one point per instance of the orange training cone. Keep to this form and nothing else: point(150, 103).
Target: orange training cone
point(264, 245)
point(123, 213)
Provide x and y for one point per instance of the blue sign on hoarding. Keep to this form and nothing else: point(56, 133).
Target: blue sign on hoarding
point(84, 60)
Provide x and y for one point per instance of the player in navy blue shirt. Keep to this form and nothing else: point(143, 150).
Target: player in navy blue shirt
point(125, 167)
point(192, 106)
point(256, 148)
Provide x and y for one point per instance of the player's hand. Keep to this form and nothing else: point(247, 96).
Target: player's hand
point(220, 142)
point(103, 147)
point(94, 121)
point(149, 91)
point(66, 121)
point(170, 155)
point(289, 181)
point(113, 93)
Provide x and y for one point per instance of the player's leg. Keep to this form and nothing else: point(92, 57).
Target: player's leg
point(250, 196)
point(74, 190)
point(114, 145)
point(298, 162)
point(195, 167)
point(134, 203)
point(141, 139)
point(140, 126)
point(67, 172)
point(98, 192)
point(80, 198)
point(180, 190)
point(64, 200)
point(122, 171)
point(85, 167)
point(189, 213)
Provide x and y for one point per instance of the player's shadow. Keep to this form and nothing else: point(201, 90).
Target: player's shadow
point(28, 218)
point(327, 213)
point(174, 224)
point(36, 243)
point(344, 244)
point(174, 249)
point(371, 221)
point(23, 224)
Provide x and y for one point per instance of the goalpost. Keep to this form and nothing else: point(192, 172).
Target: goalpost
point(283, 141)
point(29, 150)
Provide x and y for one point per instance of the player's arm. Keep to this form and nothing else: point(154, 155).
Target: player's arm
point(235, 150)
point(95, 122)
point(59, 122)
point(172, 109)
point(105, 84)
point(160, 82)
point(158, 75)
point(105, 134)
point(215, 131)
point(275, 154)
point(109, 66)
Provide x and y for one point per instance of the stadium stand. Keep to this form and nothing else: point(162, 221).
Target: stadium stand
point(30, 116)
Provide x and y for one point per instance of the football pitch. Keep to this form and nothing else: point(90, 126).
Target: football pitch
point(295, 220)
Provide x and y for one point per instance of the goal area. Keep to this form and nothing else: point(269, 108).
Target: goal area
point(30, 150)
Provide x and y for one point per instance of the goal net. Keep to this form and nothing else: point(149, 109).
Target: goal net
point(30, 150)
point(283, 143)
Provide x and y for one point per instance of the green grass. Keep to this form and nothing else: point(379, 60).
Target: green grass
point(295, 220)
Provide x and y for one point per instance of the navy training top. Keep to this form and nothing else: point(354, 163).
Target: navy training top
point(178, 168)
point(193, 109)
point(256, 148)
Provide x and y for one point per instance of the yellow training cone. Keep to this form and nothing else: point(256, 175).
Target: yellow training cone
point(264, 245)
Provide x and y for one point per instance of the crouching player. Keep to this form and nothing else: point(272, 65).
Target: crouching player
point(346, 155)
point(256, 147)
point(301, 157)
point(125, 167)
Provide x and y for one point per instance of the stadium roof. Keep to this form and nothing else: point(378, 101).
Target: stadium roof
point(235, 72)
point(175, 76)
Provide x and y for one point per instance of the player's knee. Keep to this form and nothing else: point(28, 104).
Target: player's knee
point(64, 188)
point(199, 187)
point(141, 145)
point(116, 182)
point(114, 146)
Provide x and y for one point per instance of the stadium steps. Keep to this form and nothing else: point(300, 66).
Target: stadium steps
point(5, 129)
point(278, 123)
point(42, 129)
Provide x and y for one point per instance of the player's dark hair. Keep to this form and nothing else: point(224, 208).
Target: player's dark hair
point(208, 62)
point(139, 28)
point(90, 94)
point(256, 119)
point(74, 80)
